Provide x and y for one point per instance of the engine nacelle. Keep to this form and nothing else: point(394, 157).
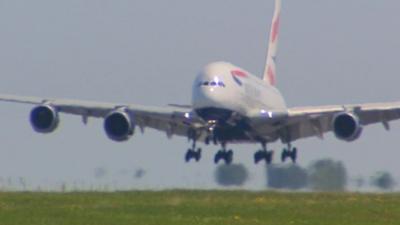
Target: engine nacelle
point(118, 126)
point(44, 119)
point(346, 126)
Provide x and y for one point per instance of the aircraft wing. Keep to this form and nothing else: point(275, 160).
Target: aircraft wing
point(172, 120)
point(305, 122)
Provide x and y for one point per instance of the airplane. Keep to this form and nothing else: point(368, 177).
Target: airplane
point(229, 105)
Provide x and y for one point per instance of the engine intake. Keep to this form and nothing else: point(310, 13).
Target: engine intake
point(347, 127)
point(118, 126)
point(44, 119)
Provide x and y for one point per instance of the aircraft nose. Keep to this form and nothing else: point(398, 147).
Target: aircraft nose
point(205, 97)
point(208, 93)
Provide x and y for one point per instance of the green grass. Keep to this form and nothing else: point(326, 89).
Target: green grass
point(198, 207)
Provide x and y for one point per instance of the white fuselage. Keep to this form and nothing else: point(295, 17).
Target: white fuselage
point(221, 85)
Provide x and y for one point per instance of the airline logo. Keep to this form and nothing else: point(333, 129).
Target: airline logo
point(274, 38)
point(270, 68)
point(275, 29)
point(236, 74)
point(271, 75)
point(239, 73)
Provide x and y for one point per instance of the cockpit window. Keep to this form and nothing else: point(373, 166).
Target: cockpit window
point(237, 80)
point(212, 83)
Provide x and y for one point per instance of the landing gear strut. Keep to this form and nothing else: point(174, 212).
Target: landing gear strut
point(289, 152)
point(223, 154)
point(192, 153)
point(211, 138)
point(263, 154)
point(211, 133)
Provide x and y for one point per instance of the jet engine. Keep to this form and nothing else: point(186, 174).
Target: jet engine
point(346, 126)
point(118, 126)
point(44, 119)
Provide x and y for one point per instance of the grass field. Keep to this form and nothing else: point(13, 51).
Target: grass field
point(198, 207)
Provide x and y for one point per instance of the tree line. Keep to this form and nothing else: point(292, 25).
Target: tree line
point(320, 175)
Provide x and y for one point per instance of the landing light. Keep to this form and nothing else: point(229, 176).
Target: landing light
point(265, 112)
point(187, 115)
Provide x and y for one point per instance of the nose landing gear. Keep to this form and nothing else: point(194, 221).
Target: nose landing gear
point(223, 154)
point(289, 152)
point(193, 153)
point(263, 154)
point(212, 137)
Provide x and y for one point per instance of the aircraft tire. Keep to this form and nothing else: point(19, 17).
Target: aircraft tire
point(228, 157)
point(198, 155)
point(188, 155)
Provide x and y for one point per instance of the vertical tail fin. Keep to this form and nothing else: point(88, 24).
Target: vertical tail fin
point(270, 68)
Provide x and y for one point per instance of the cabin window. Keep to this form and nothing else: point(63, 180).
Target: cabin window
point(212, 83)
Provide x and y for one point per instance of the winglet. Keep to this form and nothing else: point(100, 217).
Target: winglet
point(270, 67)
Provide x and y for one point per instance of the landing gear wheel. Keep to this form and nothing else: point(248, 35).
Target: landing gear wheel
point(188, 155)
point(289, 153)
point(217, 157)
point(258, 156)
point(268, 157)
point(284, 155)
point(294, 155)
point(263, 155)
point(197, 155)
point(191, 154)
point(228, 157)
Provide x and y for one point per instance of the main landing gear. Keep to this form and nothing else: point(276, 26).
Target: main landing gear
point(227, 155)
point(193, 153)
point(263, 154)
point(223, 154)
point(289, 152)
